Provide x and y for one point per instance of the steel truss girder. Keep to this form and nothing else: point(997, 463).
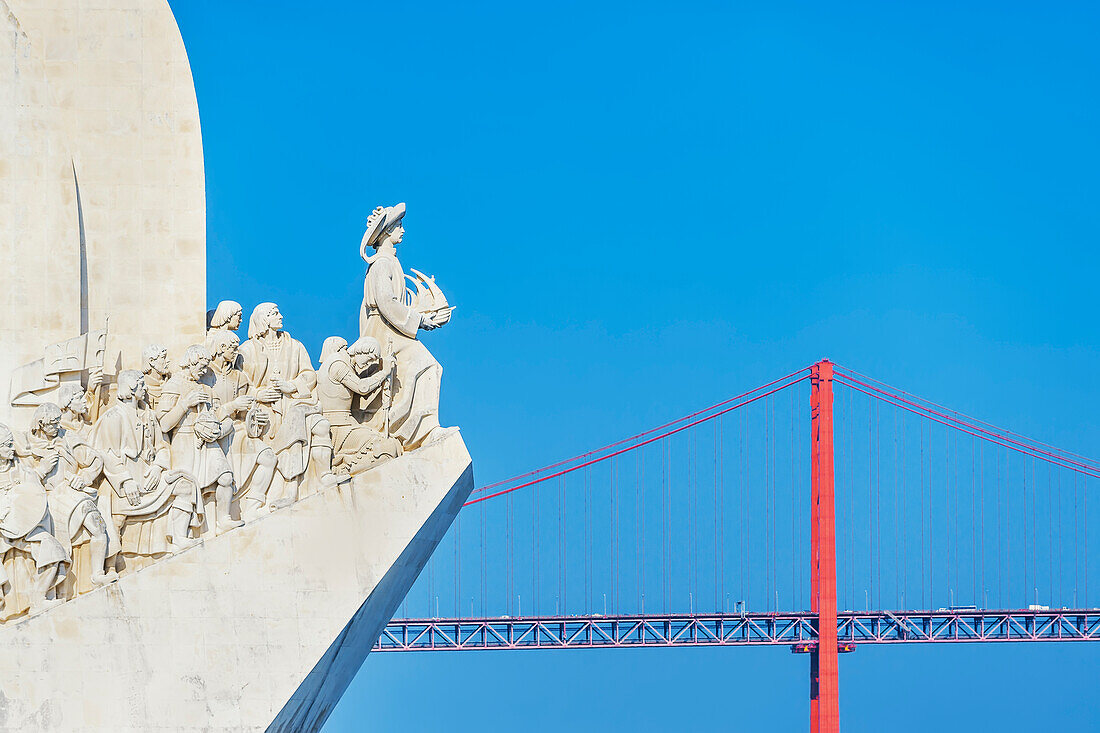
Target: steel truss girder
point(750, 629)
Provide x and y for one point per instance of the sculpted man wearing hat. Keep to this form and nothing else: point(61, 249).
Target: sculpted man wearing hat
point(393, 316)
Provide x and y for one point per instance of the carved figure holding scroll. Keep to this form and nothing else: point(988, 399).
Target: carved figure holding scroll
point(25, 527)
point(69, 468)
point(152, 505)
point(280, 370)
point(253, 461)
point(342, 380)
point(188, 412)
point(392, 313)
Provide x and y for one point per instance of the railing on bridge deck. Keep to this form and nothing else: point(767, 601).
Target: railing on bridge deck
point(749, 629)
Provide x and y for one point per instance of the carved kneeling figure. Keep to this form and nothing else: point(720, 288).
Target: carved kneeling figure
point(356, 443)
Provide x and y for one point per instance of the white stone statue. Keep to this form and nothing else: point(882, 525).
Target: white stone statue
point(157, 370)
point(152, 505)
point(252, 459)
point(393, 315)
point(79, 406)
point(357, 441)
point(280, 370)
point(25, 527)
point(69, 468)
point(188, 412)
point(226, 317)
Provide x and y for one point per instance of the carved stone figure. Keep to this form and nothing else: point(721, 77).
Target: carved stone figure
point(188, 411)
point(69, 468)
point(79, 406)
point(253, 460)
point(157, 371)
point(358, 444)
point(226, 317)
point(153, 506)
point(280, 370)
point(390, 314)
point(25, 528)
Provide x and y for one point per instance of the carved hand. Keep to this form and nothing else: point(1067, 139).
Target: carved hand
point(152, 479)
point(49, 463)
point(427, 323)
point(242, 403)
point(286, 387)
point(95, 379)
point(78, 483)
point(268, 394)
point(196, 398)
point(132, 491)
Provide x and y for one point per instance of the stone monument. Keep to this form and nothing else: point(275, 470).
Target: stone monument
point(196, 532)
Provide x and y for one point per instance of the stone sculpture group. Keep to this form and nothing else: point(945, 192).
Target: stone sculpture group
point(116, 474)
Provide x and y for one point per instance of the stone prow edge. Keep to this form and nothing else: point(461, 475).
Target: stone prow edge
point(312, 703)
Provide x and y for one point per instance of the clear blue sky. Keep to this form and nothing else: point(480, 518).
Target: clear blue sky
point(642, 208)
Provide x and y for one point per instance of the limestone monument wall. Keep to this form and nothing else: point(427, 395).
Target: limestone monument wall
point(101, 180)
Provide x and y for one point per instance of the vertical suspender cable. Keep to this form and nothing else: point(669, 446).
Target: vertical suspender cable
point(716, 515)
point(894, 510)
point(1076, 546)
point(587, 569)
point(458, 566)
point(535, 564)
point(904, 526)
point(1050, 538)
point(743, 484)
point(641, 493)
point(795, 564)
point(613, 528)
point(871, 404)
point(484, 594)
point(563, 565)
point(852, 499)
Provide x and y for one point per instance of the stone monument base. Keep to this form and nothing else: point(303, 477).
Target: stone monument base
point(261, 628)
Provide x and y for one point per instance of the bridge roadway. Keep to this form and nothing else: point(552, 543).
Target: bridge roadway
point(799, 630)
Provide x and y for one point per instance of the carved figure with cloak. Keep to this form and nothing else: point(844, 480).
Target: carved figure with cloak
point(188, 412)
point(252, 459)
point(280, 370)
point(390, 314)
point(152, 505)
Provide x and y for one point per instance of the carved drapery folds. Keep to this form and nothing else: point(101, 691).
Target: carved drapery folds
point(115, 471)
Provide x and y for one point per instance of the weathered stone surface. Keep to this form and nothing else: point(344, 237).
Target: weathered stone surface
point(102, 186)
point(221, 636)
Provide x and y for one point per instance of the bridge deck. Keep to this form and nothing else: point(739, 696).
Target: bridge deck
point(735, 629)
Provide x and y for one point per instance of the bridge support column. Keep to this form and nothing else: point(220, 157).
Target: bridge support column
point(824, 697)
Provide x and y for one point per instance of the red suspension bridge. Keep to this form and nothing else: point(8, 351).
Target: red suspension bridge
point(821, 511)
